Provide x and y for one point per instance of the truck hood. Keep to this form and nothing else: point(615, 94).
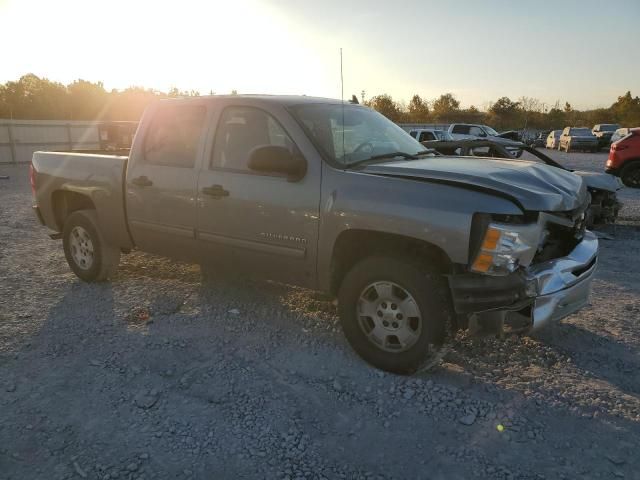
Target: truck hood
point(533, 186)
point(600, 181)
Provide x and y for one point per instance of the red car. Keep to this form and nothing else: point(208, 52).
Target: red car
point(624, 159)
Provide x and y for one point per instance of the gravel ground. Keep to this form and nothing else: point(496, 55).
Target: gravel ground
point(160, 374)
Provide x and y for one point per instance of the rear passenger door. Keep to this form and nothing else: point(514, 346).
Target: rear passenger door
point(162, 177)
point(264, 223)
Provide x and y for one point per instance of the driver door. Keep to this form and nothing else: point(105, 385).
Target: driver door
point(264, 223)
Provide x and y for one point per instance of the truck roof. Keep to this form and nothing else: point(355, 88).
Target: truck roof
point(286, 100)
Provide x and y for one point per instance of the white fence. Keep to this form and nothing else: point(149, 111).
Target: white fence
point(20, 138)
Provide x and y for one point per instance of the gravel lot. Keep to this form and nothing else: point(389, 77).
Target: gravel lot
point(159, 374)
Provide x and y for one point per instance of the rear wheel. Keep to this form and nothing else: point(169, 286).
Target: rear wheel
point(393, 313)
point(88, 255)
point(630, 175)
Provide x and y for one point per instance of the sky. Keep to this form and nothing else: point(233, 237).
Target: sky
point(580, 51)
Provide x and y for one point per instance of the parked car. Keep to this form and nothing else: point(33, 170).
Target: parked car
point(578, 138)
point(603, 187)
point(624, 159)
point(334, 197)
point(553, 139)
point(619, 133)
point(514, 135)
point(462, 131)
point(539, 141)
point(428, 134)
point(603, 132)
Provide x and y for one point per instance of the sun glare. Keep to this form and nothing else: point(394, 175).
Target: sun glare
point(244, 45)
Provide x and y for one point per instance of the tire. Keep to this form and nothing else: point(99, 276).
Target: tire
point(428, 298)
point(88, 255)
point(630, 175)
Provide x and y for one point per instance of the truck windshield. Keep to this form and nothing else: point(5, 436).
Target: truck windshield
point(352, 134)
point(490, 131)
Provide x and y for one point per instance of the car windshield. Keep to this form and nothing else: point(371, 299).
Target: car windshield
point(348, 134)
point(608, 128)
point(580, 132)
point(442, 135)
point(490, 131)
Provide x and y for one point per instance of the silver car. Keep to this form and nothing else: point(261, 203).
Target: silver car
point(578, 138)
point(619, 133)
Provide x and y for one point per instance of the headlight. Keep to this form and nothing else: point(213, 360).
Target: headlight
point(505, 247)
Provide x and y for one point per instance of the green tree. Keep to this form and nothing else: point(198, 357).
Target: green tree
point(87, 101)
point(626, 110)
point(34, 97)
point(417, 110)
point(445, 107)
point(505, 113)
point(386, 106)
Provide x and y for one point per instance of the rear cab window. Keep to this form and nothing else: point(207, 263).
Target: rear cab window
point(174, 135)
point(463, 129)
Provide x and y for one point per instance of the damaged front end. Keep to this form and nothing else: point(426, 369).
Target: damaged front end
point(525, 271)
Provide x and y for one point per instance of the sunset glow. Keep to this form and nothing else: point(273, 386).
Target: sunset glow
point(265, 46)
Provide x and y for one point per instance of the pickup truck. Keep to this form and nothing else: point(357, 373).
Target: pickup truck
point(603, 132)
point(333, 197)
point(466, 131)
point(602, 187)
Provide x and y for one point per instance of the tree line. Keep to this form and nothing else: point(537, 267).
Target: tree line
point(506, 114)
point(35, 98)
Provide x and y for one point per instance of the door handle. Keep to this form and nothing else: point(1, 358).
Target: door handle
point(215, 191)
point(142, 181)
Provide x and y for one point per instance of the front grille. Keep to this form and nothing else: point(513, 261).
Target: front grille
point(562, 236)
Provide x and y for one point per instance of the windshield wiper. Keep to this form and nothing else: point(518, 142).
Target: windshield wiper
point(383, 156)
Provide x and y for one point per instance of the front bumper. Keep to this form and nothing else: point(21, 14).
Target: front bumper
point(38, 213)
point(582, 145)
point(547, 291)
point(564, 284)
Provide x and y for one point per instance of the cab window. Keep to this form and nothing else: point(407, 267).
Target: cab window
point(240, 130)
point(173, 136)
point(462, 129)
point(425, 136)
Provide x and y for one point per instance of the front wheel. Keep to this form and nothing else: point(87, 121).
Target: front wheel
point(88, 255)
point(393, 313)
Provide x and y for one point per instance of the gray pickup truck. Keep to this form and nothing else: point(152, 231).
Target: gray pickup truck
point(332, 197)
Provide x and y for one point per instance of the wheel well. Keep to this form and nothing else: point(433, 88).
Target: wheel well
point(628, 162)
point(354, 245)
point(65, 203)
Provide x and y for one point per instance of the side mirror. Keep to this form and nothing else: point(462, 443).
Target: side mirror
point(482, 134)
point(276, 159)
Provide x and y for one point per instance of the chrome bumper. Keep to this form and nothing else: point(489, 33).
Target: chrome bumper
point(564, 284)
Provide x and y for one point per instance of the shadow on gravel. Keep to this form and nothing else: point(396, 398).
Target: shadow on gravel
point(608, 360)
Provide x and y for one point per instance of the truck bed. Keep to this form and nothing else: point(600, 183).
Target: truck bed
point(66, 181)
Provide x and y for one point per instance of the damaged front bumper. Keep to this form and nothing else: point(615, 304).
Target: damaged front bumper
point(543, 292)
